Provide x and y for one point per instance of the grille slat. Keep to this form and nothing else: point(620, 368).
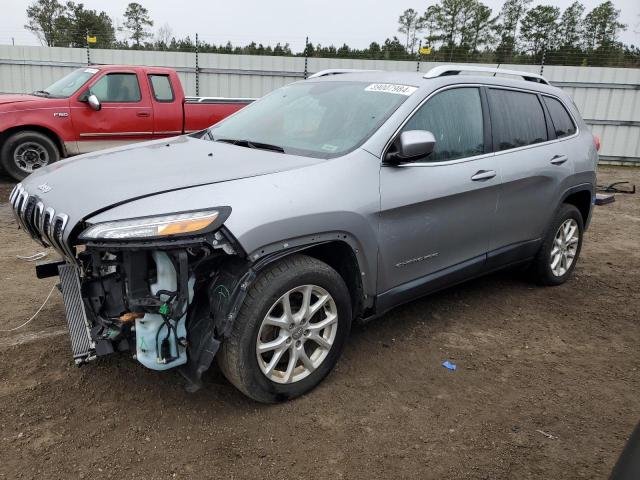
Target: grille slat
point(43, 223)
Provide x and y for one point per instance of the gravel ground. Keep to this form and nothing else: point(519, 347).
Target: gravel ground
point(547, 385)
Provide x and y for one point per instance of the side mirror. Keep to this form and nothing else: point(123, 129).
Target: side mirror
point(93, 102)
point(411, 146)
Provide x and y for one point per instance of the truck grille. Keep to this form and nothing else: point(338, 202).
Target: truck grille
point(44, 224)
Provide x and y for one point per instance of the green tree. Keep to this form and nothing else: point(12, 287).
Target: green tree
point(374, 51)
point(539, 29)
point(76, 23)
point(602, 26)
point(42, 17)
point(450, 16)
point(393, 49)
point(430, 24)
point(136, 19)
point(410, 25)
point(570, 28)
point(511, 14)
point(480, 28)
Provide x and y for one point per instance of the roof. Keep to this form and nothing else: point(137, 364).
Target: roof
point(417, 79)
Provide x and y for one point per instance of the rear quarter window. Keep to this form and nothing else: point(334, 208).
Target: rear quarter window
point(517, 119)
point(161, 88)
point(562, 122)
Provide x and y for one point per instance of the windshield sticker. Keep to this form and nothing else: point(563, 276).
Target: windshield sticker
point(91, 70)
point(391, 88)
point(329, 148)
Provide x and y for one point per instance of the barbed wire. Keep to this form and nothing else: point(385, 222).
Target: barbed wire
point(627, 57)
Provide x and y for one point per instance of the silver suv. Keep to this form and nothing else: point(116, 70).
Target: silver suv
point(260, 239)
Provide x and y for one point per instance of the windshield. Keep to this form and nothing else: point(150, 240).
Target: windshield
point(317, 119)
point(69, 84)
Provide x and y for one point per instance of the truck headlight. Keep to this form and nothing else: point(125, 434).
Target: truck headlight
point(160, 226)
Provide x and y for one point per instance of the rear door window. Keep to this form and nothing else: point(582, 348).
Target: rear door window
point(562, 123)
point(517, 119)
point(161, 87)
point(455, 119)
point(117, 88)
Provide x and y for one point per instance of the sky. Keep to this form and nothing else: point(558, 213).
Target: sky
point(355, 22)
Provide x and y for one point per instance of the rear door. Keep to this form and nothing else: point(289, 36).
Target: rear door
point(126, 115)
point(437, 214)
point(534, 166)
point(167, 108)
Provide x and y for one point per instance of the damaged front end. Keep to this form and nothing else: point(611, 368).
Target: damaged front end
point(168, 303)
point(164, 289)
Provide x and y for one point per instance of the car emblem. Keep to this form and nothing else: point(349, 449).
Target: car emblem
point(44, 188)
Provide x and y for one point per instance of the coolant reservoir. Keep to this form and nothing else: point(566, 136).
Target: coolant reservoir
point(151, 327)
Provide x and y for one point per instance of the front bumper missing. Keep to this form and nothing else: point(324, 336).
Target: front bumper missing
point(82, 345)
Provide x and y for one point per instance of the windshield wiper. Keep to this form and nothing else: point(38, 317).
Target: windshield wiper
point(41, 93)
point(251, 144)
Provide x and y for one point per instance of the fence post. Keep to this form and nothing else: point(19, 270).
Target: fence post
point(544, 53)
point(86, 39)
point(306, 56)
point(418, 63)
point(197, 70)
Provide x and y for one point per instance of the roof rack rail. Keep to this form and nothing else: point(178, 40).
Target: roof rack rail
point(338, 71)
point(444, 70)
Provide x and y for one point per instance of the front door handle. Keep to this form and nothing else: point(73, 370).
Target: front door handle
point(559, 159)
point(143, 114)
point(483, 175)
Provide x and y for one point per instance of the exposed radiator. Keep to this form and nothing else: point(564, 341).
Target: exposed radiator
point(82, 345)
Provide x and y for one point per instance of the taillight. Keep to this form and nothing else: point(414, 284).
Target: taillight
point(596, 142)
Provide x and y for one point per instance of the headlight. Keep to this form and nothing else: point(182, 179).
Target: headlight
point(160, 226)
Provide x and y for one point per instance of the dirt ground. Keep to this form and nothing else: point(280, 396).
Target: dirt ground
point(547, 386)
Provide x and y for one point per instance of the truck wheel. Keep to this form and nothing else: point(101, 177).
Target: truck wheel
point(289, 332)
point(25, 152)
point(560, 249)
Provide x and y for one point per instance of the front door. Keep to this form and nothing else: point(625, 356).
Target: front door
point(126, 115)
point(437, 214)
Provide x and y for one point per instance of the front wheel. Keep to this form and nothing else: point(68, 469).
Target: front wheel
point(289, 332)
point(560, 249)
point(25, 152)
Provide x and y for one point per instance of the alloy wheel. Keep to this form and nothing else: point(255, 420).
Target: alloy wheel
point(297, 334)
point(565, 247)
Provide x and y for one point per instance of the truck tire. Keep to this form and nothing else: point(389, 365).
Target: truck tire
point(560, 248)
point(27, 151)
point(274, 352)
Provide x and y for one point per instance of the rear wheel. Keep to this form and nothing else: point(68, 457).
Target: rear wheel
point(290, 330)
point(26, 152)
point(560, 249)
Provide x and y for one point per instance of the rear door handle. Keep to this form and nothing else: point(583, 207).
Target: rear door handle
point(559, 159)
point(483, 175)
point(143, 114)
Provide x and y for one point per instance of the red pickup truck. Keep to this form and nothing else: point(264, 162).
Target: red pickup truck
point(100, 107)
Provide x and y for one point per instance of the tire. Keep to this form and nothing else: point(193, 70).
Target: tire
point(542, 267)
point(238, 357)
point(27, 151)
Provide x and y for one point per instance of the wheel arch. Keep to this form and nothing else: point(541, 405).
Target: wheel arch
point(581, 197)
point(339, 250)
point(52, 135)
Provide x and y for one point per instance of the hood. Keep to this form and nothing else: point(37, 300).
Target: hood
point(83, 185)
point(11, 103)
point(4, 99)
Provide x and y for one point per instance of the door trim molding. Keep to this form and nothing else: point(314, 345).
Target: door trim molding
point(114, 134)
